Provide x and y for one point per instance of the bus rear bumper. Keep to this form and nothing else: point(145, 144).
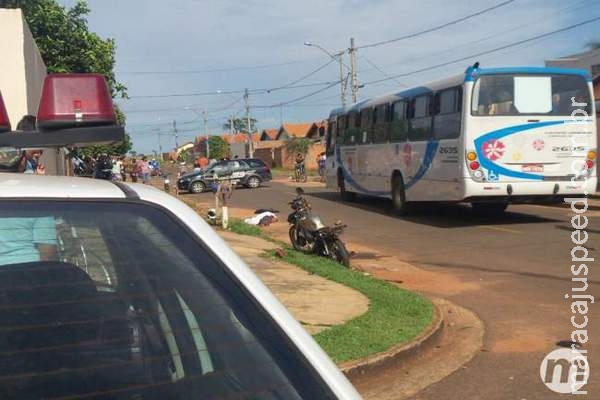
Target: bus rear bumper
point(526, 192)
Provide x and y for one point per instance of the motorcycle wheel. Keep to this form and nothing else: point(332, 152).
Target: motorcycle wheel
point(339, 253)
point(305, 247)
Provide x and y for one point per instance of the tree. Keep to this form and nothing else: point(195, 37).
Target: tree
point(594, 45)
point(219, 148)
point(240, 125)
point(65, 42)
point(295, 145)
point(116, 149)
point(67, 45)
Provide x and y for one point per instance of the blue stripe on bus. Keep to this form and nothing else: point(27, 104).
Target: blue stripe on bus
point(348, 178)
point(430, 152)
point(526, 70)
point(504, 132)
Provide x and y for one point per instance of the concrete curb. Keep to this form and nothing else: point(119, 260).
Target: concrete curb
point(375, 363)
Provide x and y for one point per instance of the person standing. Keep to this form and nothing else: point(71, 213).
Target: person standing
point(321, 162)
point(144, 169)
point(203, 163)
point(133, 170)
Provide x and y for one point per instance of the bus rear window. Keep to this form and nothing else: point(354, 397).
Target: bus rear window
point(513, 95)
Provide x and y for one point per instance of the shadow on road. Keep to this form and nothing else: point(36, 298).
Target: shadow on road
point(437, 215)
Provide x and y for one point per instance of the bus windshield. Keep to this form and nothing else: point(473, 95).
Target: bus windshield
point(513, 95)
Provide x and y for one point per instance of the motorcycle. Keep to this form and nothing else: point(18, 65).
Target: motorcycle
point(308, 234)
point(167, 184)
point(300, 173)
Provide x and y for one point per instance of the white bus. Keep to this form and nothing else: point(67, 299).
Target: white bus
point(489, 137)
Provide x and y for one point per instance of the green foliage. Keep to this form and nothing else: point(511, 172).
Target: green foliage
point(395, 315)
point(65, 42)
point(240, 227)
point(67, 45)
point(295, 145)
point(240, 125)
point(219, 148)
point(117, 149)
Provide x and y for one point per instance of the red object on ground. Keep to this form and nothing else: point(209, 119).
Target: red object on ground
point(4, 121)
point(70, 100)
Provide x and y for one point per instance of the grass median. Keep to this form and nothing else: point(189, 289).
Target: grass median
point(395, 315)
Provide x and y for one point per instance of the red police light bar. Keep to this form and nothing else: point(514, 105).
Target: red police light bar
point(4, 121)
point(75, 100)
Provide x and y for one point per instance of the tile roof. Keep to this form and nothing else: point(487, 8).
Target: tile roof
point(270, 133)
point(298, 130)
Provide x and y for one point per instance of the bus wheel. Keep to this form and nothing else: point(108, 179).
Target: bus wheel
point(399, 204)
point(344, 194)
point(489, 208)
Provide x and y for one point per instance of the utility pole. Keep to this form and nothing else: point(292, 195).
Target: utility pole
point(342, 78)
point(159, 144)
point(353, 70)
point(205, 119)
point(175, 133)
point(247, 102)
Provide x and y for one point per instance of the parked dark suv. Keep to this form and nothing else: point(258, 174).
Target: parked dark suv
point(249, 172)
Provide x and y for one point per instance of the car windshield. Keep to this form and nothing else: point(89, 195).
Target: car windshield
point(110, 300)
point(512, 95)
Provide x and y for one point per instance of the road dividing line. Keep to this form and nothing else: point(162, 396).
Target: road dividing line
point(497, 228)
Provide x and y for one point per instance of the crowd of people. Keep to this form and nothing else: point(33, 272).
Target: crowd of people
point(116, 168)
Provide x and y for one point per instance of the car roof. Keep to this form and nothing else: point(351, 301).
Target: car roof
point(31, 186)
point(43, 186)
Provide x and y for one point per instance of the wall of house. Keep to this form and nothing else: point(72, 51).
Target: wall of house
point(22, 70)
point(22, 73)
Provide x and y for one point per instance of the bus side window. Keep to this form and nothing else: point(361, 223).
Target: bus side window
point(351, 136)
point(447, 121)
point(341, 128)
point(331, 137)
point(366, 117)
point(420, 118)
point(399, 124)
point(381, 124)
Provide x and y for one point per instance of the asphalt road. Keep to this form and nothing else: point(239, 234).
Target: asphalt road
point(514, 270)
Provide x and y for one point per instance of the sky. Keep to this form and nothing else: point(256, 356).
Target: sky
point(180, 57)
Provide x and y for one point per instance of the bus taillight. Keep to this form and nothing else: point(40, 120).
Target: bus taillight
point(474, 165)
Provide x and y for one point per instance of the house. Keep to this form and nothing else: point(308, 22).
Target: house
point(269, 134)
point(294, 130)
point(317, 131)
point(589, 60)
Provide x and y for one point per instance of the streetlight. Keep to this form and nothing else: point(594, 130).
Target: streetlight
point(338, 57)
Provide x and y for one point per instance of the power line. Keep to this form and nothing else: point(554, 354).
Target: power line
point(436, 28)
point(303, 77)
point(472, 56)
point(226, 69)
point(285, 103)
point(383, 72)
point(238, 91)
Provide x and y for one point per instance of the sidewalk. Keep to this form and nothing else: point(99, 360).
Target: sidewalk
point(317, 303)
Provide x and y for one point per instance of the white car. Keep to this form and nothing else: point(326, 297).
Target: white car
point(117, 291)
